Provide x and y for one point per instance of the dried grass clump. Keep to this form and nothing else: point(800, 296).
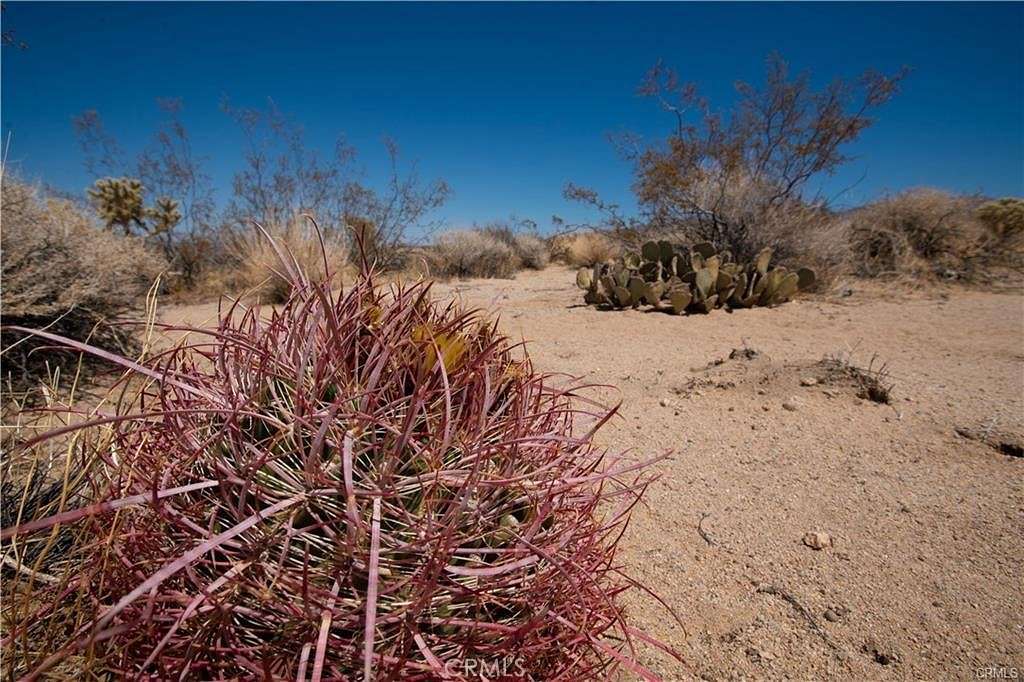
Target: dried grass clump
point(255, 270)
point(873, 382)
point(530, 250)
point(1004, 220)
point(918, 233)
point(357, 485)
point(63, 272)
point(472, 253)
point(586, 249)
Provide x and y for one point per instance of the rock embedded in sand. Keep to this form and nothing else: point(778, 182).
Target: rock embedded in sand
point(808, 381)
point(817, 540)
point(790, 405)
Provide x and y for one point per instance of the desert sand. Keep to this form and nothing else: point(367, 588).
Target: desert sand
point(922, 500)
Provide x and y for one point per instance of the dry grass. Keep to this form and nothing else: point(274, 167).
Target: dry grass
point(531, 251)
point(872, 382)
point(471, 253)
point(922, 233)
point(62, 272)
point(1004, 220)
point(584, 249)
point(255, 269)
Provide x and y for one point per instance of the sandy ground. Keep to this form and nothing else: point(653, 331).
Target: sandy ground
point(923, 578)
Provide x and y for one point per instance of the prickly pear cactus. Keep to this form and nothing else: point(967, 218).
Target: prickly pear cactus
point(682, 279)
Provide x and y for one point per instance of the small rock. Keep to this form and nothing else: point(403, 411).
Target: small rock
point(830, 393)
point(790, 405)
point(761, 391)
point(818, 541)
point(831, 616)
point(765, 408)
point(808, 381)
point(663, 402)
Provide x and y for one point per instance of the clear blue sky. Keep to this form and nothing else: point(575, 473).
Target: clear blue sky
point(508, 102)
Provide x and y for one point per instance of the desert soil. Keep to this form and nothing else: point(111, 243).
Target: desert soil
point(924, 507)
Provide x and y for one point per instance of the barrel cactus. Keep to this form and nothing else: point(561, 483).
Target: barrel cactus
point(351, 486)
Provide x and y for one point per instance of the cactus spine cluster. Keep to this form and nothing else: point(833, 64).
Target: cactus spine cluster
point(690, 279)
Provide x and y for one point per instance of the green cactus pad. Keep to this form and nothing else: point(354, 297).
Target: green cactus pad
point(651, 271)
point(653, 293)
point(712, 264)
point(679, 300)
point(636, 287)
point(650, 251)
point(706, 249)
point(788, 286)
point(703, 284)
point(583, 278)
point(762, 260)
point(665, 253)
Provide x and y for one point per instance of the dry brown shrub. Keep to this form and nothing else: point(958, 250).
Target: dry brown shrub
point(255, 270)
point(1004, 221)
point(471, 253)
point(64, 273)
point(584, 249)
point(921, 233)
point(532, 251)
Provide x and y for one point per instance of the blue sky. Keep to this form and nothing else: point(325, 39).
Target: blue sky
point(508, 102)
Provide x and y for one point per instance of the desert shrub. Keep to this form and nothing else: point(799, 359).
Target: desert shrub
point(352, 484)
point(1004, 219)
point(62, 272)
point(530, 250)
point(254, 268)
point(727, 176)
point(918, 232)
point(582, 249)
point(472, 253)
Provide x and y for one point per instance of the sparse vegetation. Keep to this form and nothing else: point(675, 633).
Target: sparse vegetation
point(64, 273)
point(377, 477)
point(920, 232)
point(280, 177)
point(471, 253)
point(1004, 219)
point(530, 250)
point(873, 382)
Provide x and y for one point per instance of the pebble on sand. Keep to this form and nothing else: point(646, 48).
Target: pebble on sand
point(817, 540)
